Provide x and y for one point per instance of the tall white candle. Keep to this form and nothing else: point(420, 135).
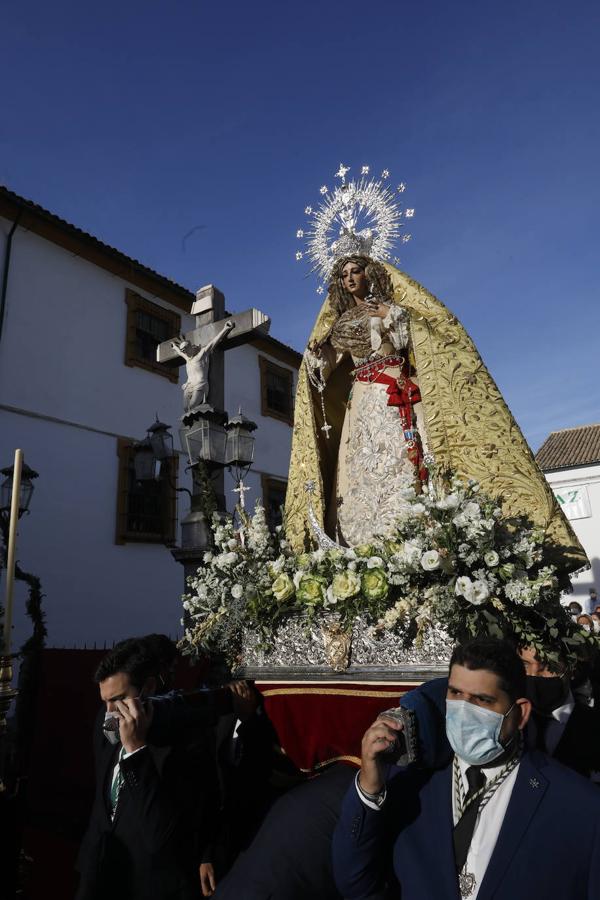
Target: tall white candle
point(11, 550)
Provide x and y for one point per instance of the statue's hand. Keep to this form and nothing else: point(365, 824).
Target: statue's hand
point(377, 310)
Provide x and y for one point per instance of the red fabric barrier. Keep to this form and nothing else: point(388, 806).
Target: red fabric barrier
point(318, 723)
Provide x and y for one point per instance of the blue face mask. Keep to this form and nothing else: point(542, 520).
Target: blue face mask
point(474, 732)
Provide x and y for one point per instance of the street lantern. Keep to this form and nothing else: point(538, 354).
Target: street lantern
point(26, 490)
point(240, 442)
point(156, 447)
point(145, 463)
point(161, 440)
point(205, 439)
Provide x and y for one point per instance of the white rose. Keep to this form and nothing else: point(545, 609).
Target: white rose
point(464, 588)
point(237, 591)
point(430, 560)
point(450, 501)
point(232, 544)
point(491, 558)
point(481, 592)
point(374, 562)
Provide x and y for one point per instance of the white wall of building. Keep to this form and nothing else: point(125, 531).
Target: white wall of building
point(578, 492)
point(65, 397)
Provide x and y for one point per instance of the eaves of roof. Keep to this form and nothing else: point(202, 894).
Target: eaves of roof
point(47, 225)
point(51, 227)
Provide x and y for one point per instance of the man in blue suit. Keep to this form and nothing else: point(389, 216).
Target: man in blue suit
point(497, 822)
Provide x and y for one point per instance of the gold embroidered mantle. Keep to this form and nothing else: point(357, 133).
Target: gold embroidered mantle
point(469, 426)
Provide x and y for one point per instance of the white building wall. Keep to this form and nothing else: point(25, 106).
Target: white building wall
point(63, 346)
point(578, 492)
point(62, 357)
point(66, 395)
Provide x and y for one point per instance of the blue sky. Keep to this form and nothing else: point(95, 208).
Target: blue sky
point(140, 121)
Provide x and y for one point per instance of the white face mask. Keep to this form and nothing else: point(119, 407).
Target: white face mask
point(474, 732)
point(110, 727)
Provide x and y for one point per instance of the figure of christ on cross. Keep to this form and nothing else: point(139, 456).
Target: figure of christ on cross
point(197, 363)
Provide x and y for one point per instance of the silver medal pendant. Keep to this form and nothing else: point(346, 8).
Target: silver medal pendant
point(466, 883)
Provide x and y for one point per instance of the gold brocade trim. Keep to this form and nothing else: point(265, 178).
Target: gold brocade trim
point(329, 692)
point(469, 427)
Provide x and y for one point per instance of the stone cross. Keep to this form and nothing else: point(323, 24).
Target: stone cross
point(203, 352)
point(215, 332)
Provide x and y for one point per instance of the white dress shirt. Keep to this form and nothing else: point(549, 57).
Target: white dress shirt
point(488, 824)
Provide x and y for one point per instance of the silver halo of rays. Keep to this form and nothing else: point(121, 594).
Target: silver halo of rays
point(358, 216)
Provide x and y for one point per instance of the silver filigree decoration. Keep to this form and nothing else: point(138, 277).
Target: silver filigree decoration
point(323, 540)
point(299, 643)
point(357, 216)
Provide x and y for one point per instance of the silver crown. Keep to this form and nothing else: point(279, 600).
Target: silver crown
point(360, 216)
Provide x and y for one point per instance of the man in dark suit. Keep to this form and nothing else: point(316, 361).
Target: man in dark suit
point(562, 725)
point(142, 839)
point(498, 820)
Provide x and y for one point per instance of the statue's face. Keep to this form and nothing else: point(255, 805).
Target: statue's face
point(355, 281)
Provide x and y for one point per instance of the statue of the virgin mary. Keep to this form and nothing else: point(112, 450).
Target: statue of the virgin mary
point(390, 385)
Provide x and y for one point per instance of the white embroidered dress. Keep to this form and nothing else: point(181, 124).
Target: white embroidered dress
point(374, 471)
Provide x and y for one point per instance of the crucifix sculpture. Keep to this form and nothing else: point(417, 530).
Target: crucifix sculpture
point(203, 352)
point(215, 333)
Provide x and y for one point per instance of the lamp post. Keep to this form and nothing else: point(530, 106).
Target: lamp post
point(26, 489)
point(239, 454)
point(16, 492)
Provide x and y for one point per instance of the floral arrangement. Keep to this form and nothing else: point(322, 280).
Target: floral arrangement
point(454, 561)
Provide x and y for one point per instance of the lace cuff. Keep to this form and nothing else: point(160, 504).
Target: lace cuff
point(396, 324)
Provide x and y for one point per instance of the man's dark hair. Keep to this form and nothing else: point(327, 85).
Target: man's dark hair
point(575, 603)
point(134, 657)
point(497, 656)
point(162, 647)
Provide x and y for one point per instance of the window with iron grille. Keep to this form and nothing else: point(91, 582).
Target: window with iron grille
point(146, 510)
point(148, 325)
point(273, 491)
point(277, 387)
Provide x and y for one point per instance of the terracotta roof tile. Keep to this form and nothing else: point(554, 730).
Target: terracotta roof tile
point(570, 447)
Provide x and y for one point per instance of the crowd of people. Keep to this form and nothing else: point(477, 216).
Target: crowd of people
point(195, 797)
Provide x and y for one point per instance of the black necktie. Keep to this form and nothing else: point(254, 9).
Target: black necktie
point(463, 830)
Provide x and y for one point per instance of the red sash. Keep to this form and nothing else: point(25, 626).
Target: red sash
point(402, 393)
